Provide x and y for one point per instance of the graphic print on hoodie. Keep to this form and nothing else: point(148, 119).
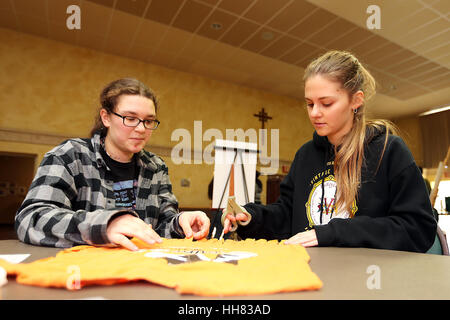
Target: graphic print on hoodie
point(321, 204)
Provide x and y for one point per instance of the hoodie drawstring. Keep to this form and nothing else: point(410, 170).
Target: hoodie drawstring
point(321, 201)
point(323, 185)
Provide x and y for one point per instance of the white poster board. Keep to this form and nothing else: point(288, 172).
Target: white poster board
point(242, 153)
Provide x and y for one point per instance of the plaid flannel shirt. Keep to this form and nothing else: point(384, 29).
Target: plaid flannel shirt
point(71, 199)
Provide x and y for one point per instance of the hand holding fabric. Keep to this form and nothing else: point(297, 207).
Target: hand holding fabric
point(194, 224)
point(126, 226)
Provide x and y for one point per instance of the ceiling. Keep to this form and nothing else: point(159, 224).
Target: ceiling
point(264, 44)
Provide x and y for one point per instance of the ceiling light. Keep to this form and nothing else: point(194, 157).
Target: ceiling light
point(267, 35)
point(436, 110)
point(216, 26)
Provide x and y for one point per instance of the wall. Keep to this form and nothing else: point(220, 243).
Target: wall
point(52, 88)
point(411, 132)
point(13, 183)
point(412, 135)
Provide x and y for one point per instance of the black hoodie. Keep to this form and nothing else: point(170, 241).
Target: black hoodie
point(393, 210)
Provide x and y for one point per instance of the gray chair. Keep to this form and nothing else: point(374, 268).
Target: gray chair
point(440, 245)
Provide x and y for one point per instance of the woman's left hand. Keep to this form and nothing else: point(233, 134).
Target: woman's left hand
point(306, 239)
point(194, 224)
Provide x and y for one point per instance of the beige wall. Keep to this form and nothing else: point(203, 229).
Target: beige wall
point(52, 88)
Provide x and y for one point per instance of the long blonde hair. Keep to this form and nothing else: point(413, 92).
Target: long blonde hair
point(344, 68)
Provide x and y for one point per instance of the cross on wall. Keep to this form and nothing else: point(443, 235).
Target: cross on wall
point(263, 117)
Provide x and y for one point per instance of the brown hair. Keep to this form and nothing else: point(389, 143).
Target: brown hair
point(110, 96)
point(344, 68)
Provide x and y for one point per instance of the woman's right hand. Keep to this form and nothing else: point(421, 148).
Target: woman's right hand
point(127, 225)
point(230, 218)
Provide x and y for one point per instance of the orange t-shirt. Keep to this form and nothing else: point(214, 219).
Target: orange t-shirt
point(207, 267)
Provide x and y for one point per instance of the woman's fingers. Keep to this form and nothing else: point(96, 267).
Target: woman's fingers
point(306, 239)
point(128, 226)
point(123, 241)
point(146, 234)
point(149, 232)
point(241, 217)
point(226, 225)
point(201, 227)
point(229, 221)
point(185, 224)
point(194, 224)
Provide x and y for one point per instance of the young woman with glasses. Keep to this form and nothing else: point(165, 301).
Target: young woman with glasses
point(107, 189)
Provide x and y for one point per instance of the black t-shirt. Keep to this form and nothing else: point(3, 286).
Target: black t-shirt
point(125, 177)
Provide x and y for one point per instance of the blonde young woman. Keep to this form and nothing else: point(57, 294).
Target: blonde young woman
point(355, 184)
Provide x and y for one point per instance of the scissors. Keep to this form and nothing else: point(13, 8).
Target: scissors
point(233, 208)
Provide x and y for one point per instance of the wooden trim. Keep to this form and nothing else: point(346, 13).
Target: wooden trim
point(23, 136)
point(13, 135)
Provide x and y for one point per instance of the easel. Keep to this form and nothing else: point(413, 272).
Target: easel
point(245, 190)
point(437, 180)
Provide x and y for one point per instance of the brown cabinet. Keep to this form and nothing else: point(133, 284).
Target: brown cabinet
point(273, 187)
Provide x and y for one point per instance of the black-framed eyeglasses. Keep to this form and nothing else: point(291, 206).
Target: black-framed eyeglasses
point(134, 122)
